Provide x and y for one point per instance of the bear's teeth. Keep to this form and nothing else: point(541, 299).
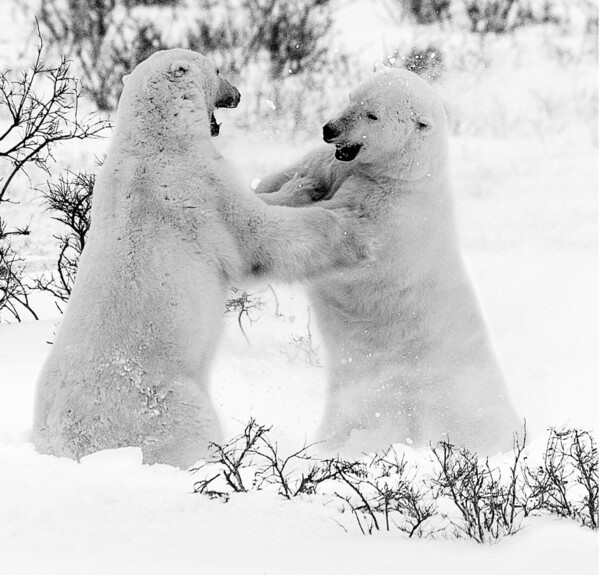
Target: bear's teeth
point(214, 126)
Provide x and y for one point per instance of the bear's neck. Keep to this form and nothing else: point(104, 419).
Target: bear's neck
point(412, 168)
point(147, 166)
point(422, 178)
point(154, 129)
point(162, 141)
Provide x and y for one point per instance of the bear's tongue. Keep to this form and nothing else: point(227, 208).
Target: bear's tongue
point(347, 153)
point(214, 126)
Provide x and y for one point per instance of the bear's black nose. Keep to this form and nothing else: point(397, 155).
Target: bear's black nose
point(228, 96)
point(330, 132)
point(237, 97)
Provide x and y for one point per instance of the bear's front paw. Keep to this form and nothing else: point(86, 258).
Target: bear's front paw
point(301, 190)
point(296, 192)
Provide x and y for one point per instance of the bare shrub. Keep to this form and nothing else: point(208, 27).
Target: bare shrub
point(428, 11)
point(384, 492)
point(398, 497)
point(354, 474)
point(104, 40)
point(14, 291)
point(583, 453)
point(253, 451)
point(278, 50)
point(82, 28)
point(288, 34)
point(487, 503)
point(230, 461)
point(295, 474)
point(110, 37)
point(70, 200)
point(41, 105)
point(43, 108)
point(305, 345)
point(244, 305)
point(427, 61)
point(491, 16)
point(566, 483)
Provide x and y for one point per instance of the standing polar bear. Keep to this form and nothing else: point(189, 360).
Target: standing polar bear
point(408, 351)
point(171, 231)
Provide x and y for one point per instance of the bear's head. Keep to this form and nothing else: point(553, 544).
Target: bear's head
point(393, 115)
point(178, 83)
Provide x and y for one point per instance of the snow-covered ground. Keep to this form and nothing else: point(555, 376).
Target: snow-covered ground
point(527, 209)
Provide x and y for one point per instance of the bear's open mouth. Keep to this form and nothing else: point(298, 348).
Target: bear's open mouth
point(229, 99)
point(347, 153)
point(214, 126)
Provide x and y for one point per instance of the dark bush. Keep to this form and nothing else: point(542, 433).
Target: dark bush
point(41, 110)
point(107, 42)
point(570, 464)
point(487, 502)
point(426, 62)
point(70, 202)
point(384, 492)
point(497, 16)
point(288, 34)
point(428, 11)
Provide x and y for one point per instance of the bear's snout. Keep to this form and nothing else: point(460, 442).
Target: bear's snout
point(228, 96)
point(331, 132)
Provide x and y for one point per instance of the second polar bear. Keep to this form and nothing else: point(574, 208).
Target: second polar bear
point(171, 231)
point(409, 355)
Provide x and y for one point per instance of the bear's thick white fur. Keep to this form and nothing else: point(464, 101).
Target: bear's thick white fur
point(409, 356)
point(171, 231)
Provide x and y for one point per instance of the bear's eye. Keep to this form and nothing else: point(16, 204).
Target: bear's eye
point(218, 71)
point(179, 70)
point(372, 116)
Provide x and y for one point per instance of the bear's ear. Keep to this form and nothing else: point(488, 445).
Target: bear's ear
point(178, 69)
point(125, 78)
point(425, 124)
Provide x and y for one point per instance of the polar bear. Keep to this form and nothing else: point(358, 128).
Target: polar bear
point(171, 231)
point(409, 355)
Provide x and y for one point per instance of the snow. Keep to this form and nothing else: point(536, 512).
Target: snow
point(110, 514)
point(142, 519)
point(526, 183)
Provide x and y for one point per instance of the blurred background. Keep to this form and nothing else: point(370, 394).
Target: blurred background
point(293, 59)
